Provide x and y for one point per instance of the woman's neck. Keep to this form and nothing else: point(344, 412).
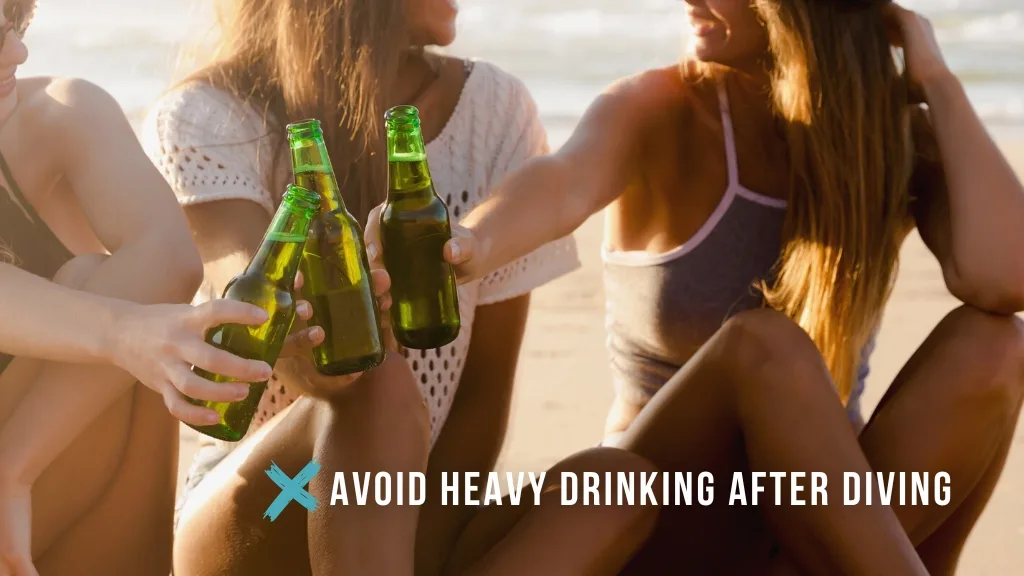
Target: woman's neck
point(754, 74)
point(417, 72)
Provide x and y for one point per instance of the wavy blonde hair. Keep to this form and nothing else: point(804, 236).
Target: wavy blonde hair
point(837, 86)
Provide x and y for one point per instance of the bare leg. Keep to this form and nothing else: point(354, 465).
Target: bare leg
point(757, 396)
point(554, 539)
point(380, 424)
point(122, 466)
point(953, 408)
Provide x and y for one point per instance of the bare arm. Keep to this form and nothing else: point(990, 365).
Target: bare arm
point(153, 260)
point(474, 433)
point(47, 321)
point(972, 203)
point(551, 195)
point(972, 206)
point(228, 233)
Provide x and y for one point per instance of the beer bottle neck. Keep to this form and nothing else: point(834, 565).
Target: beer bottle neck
point(281, 249)
point(408, 171)
point(312, 168)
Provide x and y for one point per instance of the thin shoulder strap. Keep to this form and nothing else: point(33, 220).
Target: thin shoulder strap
point(727, 131)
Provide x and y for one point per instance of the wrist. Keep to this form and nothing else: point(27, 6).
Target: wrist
point(941, 87)
point(113, 328)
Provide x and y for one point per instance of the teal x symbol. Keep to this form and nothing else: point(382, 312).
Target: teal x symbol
point(291, 489)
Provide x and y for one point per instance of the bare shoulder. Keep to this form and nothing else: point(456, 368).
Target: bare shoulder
point(62, 113)
point(60, 103)
point(633, 103)
point(657, 86)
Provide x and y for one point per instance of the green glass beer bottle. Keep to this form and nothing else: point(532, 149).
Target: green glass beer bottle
point(334, 264)
point(268, 282)
point(414, 227)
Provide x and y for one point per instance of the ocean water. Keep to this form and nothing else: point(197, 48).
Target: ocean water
point(566, 51)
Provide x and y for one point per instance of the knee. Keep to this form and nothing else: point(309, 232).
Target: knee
point(988, 354)
point(635, 522)
point(751, 341)
point(77, 271)
point(386, 397)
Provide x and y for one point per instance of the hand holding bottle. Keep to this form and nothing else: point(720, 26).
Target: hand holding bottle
point(159, 344)
point(461, 251)
point(305, 375)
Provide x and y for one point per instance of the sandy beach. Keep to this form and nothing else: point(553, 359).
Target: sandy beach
point(563, 386)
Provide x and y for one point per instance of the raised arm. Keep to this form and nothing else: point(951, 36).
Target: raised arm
point(970, 204)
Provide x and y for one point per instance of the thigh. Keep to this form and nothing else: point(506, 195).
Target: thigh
point(91, 460)
point(951, 408)
point(550, 538)
point(222, 529)
point(127, 528)
point(756, 396)
point(690, 426)
point(378, 423)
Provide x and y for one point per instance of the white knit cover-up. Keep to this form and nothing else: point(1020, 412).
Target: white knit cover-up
point(211, 146)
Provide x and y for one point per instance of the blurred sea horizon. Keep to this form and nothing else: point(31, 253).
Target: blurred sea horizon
point(566, 51)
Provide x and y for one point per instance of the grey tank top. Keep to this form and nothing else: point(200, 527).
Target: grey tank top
point(660, 308)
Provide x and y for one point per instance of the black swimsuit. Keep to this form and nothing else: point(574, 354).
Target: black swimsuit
point(36, 249)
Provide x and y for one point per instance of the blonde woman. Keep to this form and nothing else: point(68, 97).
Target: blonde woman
point(756, 198)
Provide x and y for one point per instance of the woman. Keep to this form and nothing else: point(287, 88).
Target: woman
point(74, 273)
point(686, 159)
point(218, 137)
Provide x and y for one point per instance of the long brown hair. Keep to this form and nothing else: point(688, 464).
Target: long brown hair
point(836, 85)
point(332, 60)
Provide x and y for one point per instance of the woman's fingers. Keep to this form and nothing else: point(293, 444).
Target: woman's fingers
point(224, 363)
point(302, 341)
point(371, 237)
point(223, 311)
point(299, 280)
point(462, 247)
point(381, 281)
point(457, 251)
point(303, 309)
point(195, 386)
point(187, 412)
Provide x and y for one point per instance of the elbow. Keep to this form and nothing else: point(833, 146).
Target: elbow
point(1002, 293)
point(184, 267)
